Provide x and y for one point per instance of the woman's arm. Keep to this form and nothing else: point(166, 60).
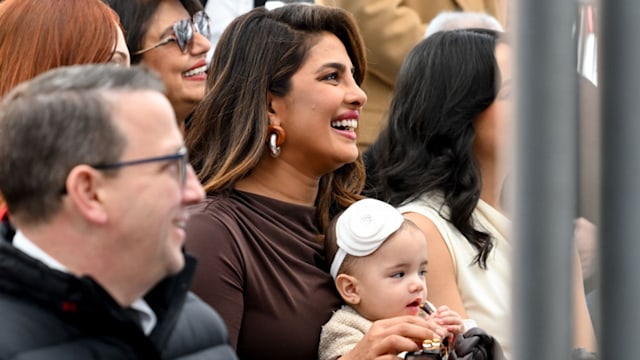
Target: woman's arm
point(219, 275)
point(584, 335)
point(441, 280)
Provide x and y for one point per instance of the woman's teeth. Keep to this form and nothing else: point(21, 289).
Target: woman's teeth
point(350, 124)
point(196, 71)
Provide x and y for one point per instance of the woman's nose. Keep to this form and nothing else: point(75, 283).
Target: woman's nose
point(355, 95)
point(201, 44)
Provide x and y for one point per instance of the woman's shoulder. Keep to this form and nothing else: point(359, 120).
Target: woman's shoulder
point(218, 211)
point(427, 204)
point(431, 214)
point(220, 205)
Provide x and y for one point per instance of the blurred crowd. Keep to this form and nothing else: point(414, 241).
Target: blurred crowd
point(222, 179)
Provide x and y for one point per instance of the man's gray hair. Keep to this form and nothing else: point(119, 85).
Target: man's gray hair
point(452, 20)
point(56, 121)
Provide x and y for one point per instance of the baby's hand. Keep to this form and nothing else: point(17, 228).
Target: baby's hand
point(449, 319)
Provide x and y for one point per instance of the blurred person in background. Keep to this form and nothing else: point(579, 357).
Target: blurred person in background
point(442, 161)
point(451, 20)
point(39, 32)
point(172, 38)
point(222, 12)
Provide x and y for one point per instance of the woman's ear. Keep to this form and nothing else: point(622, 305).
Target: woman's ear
point(274, 105)
point(83, 186)
point(347, 286)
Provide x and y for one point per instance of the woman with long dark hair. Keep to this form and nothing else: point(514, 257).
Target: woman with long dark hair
point(274, 143)
point(440, 160)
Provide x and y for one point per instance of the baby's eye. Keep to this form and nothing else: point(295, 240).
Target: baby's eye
point(423, 272)
point(397, 275)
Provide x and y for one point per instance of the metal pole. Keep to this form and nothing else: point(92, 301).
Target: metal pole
point(546, 158)
point(620, 231)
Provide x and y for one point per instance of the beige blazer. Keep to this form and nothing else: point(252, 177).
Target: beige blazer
point(391, 28)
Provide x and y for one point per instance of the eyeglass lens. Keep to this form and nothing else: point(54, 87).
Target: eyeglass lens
point(203, 26)
point(183, 32)
point(182, 164)
point(183, 29)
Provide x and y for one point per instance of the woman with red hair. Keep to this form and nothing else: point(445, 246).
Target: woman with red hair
point(39, 35)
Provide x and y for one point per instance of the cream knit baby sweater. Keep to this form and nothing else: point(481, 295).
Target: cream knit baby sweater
point(341, 333)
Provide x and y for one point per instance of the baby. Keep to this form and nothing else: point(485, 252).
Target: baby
point(378, 262)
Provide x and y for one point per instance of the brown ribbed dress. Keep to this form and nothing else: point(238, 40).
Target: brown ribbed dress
point(261, 267)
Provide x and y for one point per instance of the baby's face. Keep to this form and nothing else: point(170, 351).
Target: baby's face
point(391, 281)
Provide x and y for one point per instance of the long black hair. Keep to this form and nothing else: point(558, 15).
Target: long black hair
point(445, 82)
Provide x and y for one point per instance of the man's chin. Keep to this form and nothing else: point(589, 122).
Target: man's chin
point(176, 265)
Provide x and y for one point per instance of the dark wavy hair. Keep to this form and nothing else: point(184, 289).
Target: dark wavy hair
point(445, 82)
point(258, 54)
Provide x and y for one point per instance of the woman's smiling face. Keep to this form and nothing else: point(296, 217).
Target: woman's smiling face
point(182, 73)
point(321, 111)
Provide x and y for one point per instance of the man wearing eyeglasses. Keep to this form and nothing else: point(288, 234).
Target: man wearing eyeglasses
point(97, 183)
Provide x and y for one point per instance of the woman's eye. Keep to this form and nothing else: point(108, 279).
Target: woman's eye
point(117, 60)
point(332, 76)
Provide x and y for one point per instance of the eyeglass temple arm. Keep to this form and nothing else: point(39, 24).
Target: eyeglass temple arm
point(162, 42)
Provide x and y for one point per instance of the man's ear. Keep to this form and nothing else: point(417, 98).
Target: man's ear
point(347, 286)
point(83, 187)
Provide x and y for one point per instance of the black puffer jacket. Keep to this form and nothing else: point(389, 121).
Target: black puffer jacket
point(47, 314)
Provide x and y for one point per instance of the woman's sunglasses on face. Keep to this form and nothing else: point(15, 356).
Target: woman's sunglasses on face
point(182, 32)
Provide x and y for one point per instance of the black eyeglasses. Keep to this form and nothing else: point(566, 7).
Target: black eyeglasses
point(181, 156)
point(183, 32)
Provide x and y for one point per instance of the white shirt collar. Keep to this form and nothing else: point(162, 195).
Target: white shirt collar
point(147, 318)
point(146, 315)
point(22, 243)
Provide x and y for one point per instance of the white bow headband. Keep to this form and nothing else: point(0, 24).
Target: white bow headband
point(362, 228)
